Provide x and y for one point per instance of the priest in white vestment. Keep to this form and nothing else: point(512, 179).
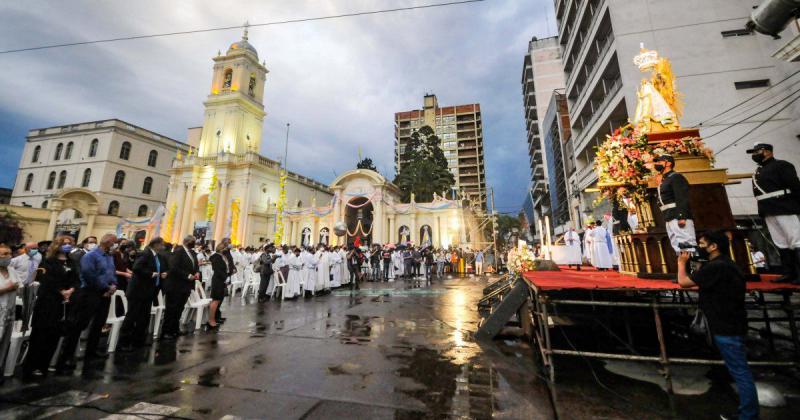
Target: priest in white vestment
point(397, 264)
point(335, 261)
point(293, 283)
point(310, 262)
point(573, 243)
point(601, 255)
point(323, 270)
point(345, 277)
point(587, 243)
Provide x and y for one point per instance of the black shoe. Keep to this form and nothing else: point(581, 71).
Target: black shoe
point(125, 349)
point(210, 327)
point(168, 336)
point(96, 355)
point(221, 320)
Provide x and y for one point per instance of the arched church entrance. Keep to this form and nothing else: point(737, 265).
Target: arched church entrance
point(358, 218)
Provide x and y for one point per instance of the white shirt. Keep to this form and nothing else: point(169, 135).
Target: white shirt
point(758, 259)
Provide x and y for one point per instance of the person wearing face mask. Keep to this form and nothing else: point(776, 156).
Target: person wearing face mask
point(777, 191)
point(123, 263)
point(149, 270)
point(673, 199)
point(91, 302)
point(58, 280)
point(9, 283)
point(26, 264)
point(183, 272)
point(722, 301)
point(88, 245)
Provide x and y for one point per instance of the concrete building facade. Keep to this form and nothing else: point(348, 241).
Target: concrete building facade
point(125, 166)
point(718, 64)
point(460, 130)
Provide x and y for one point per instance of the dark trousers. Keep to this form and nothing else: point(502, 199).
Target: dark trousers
point(387, 265)
point(41, 346)
point(137, 321)
point(263, 284)
point(90, 308)
point(173, 307)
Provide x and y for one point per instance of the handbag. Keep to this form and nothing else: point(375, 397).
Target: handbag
point(699, 326)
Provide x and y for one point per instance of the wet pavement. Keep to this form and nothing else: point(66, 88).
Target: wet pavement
point(389, 351)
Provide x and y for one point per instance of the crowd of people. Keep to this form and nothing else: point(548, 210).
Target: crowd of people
point(60, 289)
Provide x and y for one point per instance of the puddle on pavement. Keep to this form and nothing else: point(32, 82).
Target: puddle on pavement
point(211, 377)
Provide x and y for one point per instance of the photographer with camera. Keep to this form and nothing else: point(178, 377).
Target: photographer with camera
point(673, 199)
point(722, 294)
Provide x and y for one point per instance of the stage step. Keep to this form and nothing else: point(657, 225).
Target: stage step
point(503, 312)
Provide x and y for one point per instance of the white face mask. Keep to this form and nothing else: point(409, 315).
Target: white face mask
point(91, 247)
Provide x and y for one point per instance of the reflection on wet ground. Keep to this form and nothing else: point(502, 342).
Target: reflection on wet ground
point(389, 350)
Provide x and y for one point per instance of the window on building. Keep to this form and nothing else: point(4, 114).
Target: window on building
point(36, 152)
point(113, 208)
point(119, 180)
point(68, 153)
point(62, 179)
point(44, 204)
point(87, 178)
point(737, 32)
point(28, 182)
point(226, 84)
point(152, 159)
point(125, 151)
point(93, 148)
point(59, 150)
point(750, 84)
point(51, 181)
point(142, 211)
point(251, 88)
point(147, 186)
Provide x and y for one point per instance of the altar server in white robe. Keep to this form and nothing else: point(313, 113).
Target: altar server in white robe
point(601, 256)
point(573, 242)
point(323, 281)
point(398, 263)
point(587, 243)
point(310, 262)
point(335, 263)
point(293, 283)
point(345, 278)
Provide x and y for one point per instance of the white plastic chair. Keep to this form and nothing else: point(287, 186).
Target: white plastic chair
point(114, 320)
point(18, 338)
point(237, 282)
point(280, 281)
point(199, 302)
point(251, 282)
point(157, 314)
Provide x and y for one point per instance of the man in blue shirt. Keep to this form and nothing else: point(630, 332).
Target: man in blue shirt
point(91, 302)
point(479, 263)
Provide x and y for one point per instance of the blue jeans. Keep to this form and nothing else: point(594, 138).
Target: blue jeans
point(734, 354)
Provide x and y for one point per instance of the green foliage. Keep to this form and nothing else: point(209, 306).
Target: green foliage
point(366, 163)
point(424, 170)
point(10, 228)
point(505, 224)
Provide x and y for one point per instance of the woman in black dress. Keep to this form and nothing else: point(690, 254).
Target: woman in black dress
point(58, 279)
point(221, 270)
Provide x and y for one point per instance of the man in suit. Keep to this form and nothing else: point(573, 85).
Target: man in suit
point(149, 270)
point(183, 272)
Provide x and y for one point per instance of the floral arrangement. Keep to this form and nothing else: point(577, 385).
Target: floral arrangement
point(624, 162)
point(521, 260)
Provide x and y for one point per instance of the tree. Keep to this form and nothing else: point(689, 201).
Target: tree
point(505, 226)
point(424, 168)
point(366, 163)
point(10, 228)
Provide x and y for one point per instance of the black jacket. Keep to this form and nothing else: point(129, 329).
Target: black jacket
point(220, 269)
point(674, 189)
point(143, 285)
point(182, 266)
point(54, 277)
point(777, 175)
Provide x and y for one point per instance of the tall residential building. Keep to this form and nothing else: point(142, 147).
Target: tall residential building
point(542, 74)
point(460, 130)
point(124, 165)
point(718, 64)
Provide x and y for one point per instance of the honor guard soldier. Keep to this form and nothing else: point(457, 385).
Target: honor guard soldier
point(673, 200)
point(777, 192)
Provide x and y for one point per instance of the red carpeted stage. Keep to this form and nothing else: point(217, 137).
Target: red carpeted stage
point(555, 296)
point(591, 279)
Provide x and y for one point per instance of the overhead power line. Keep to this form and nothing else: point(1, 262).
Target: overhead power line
point(749, 99)
point(225, 28)
point(743, 120)
point(758, 126)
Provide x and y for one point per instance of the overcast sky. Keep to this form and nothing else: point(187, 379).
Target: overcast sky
point(339, 82)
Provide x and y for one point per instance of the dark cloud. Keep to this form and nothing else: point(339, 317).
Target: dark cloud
point(338, 82)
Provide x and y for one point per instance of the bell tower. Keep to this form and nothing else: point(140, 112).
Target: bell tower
point(234, 110)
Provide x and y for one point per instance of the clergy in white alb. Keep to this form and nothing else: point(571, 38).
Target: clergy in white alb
point(295, 280)
point(323, 270)
point(573, 243)
point(601, 257)
point(310, 262)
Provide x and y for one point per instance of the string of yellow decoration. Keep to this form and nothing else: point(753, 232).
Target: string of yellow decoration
point(279, 209)
point(170, 223)
point(211, 205)
point(235, 222)
point(359, 226)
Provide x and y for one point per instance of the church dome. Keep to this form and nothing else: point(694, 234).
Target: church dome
point(243, 44)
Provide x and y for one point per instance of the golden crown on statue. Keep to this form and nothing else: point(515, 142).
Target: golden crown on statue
point(646, 58)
